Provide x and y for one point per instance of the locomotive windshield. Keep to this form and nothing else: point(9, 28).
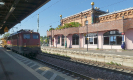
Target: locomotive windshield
point(26, 36)
point(35, 36)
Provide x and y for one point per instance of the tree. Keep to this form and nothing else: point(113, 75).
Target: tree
point(6, 35)
point(41, 39)
point(67, 25)
point(51, 29)
point(47, 40)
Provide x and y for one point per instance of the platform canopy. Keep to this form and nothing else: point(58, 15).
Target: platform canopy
point(14, 11)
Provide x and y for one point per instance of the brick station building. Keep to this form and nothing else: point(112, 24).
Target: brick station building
point(105, 30)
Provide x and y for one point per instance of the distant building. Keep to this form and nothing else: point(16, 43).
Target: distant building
point(105, 30)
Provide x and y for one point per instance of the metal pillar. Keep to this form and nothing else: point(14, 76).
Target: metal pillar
point(38, 24)
point(87, 37)
point(97, 40)
point(87, 32)
point(51, 35)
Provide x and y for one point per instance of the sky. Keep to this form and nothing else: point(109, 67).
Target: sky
point(49, 14)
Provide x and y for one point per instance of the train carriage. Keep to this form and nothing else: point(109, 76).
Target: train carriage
point(25, 42)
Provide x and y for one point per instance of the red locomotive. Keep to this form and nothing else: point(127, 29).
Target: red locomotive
point(25, 42)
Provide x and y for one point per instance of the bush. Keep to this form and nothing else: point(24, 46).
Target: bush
point(68, 25)
point(113, 63)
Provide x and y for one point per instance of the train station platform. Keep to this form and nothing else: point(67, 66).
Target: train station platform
point(123, 57)
point(16, 67)
point(106, 51)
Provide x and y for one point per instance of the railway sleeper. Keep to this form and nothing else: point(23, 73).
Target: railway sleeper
point(100, 67)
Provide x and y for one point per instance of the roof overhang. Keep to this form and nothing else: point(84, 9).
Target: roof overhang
point(13, 12)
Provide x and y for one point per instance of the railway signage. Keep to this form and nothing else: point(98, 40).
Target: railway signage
point(84, 34)
point(122, 33)
point(87, 38)
point(6, 29)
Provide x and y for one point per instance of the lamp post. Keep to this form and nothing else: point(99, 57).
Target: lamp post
point(51, 35)
point(65, 31)
point(92, 15)
point(47, 40)
point(87, 31)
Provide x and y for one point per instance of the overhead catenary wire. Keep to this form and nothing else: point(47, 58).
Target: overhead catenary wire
point(69, 8)
point(58, 12)
point(66, 9)
point(45, 9)
point(101, 7)
point(114, 3)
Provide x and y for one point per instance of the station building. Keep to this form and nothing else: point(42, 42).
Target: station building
point(105, 30)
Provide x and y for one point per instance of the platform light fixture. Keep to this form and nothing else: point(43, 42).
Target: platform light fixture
point(87, 31)
point(51, 35)
point(12, 9)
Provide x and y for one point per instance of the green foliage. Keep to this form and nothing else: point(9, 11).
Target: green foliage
point(47, 40)
point(43, 38)
point(6, 35)
point(59, 27)
point(113, 63)
point(63, 55)
point(68, 25)
point(51, 29)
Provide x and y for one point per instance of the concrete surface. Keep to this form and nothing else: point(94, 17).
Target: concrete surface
point(16, 67)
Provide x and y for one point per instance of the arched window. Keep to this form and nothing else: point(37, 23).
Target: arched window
point(86, 22)
point(62, 40)
point(75, 39)
point(112, 38)
point(58, 39)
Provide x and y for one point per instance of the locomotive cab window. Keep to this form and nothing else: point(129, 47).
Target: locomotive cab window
point(26, 36)
point(35, 36)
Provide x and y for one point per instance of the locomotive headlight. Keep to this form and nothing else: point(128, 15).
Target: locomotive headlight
point(38, 45)
point(24, 44)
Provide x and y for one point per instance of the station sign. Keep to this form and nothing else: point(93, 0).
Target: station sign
point(84, 34)
point(87, 38)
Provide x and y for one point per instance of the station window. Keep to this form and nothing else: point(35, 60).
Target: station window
point(58, 39)
point(26, 36)
point(119, 40)
point(62, 40)
point(86, 22)
point(112, 38)
point(75, 39)
point(92, 38)
point(106, 40)
point(95, 40)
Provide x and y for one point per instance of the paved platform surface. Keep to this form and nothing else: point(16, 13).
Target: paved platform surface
point(106, 51)
point(16, 67)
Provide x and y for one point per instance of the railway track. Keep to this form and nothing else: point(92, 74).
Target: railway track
point(80, 70)
point(66, 71)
